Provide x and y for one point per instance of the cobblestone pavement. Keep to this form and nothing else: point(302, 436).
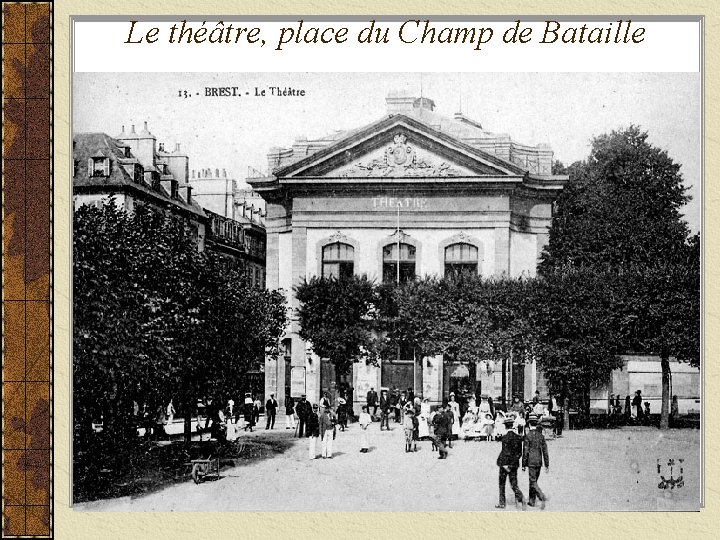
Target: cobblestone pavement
point(598, 470)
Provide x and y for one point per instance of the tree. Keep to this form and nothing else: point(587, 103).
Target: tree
point(621, 210)
point(576, 327)
point(621, 206)
point(337, 317)
point(660, 313)
point(154, 319)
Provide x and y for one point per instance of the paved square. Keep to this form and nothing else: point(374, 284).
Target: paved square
point(590, 470)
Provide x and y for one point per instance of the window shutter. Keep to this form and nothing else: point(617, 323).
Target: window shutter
point(106, 163)
point(90, 167)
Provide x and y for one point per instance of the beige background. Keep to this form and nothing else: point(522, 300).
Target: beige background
point(78, 525)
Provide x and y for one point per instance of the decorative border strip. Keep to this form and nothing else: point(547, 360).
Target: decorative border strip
point(27, 278)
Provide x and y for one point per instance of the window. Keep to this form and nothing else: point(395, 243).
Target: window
point(338, 260)
point(402, 263)
point(99, 166)
point(460, 258)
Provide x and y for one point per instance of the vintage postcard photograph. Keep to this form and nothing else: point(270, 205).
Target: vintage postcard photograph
point(299, 292)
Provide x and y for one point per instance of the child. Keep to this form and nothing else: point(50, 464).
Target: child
point(365, 420)
point(409, 427)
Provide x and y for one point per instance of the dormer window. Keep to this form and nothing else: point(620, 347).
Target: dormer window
point(99, 166)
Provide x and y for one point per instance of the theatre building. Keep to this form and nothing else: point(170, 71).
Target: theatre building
point(414, 193)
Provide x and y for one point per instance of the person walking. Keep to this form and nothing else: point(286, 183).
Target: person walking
point(637, 404)
point(304, 410)
point(364, 422)
point(385, 407)
point(312, 423)
point(342, 414)
point(507, 463)
point(674, 411)
point(327, 431)
point(442, 429)
point(535, 455)
point(372, 401)
point(289, 413)
point(248, 414)
point(409, 428)
point(170, 413)
point(270, 411)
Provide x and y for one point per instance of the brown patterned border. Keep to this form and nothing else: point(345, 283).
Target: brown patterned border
point(27, 270)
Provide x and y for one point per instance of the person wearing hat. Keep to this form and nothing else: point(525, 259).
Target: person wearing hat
point(535, 454)
point(442, 429)
point(385, 407)
point(372, 401)
point(507, 462)
point(304, 410)
point(365, 420)
point(248, 412)
point(327, 431)
point(313, 429)
point(342, 414)
point(409, 427)
point(270, 411)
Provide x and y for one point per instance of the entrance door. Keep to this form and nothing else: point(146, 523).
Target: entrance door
point(400, 374)
point(518, 380)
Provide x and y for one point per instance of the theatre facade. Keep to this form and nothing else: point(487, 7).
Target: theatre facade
point(414, 193)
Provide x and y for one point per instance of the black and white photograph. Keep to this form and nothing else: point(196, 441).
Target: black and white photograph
point(387, 292)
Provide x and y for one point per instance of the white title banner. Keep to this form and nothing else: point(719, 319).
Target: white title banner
point(411, 44)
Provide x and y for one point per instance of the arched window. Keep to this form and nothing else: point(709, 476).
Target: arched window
point(338, 260)
point(398, 264)
point(459, 258)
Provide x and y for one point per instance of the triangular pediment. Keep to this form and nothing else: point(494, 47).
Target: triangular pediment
point(399, 147)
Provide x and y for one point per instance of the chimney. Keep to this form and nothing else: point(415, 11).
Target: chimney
point(398, 102)
point(193, 173)
point(123, 130)
point(424, 103)
point(145, 129)
point(217, 173)
point(224, 173)
point(187, 195)
point(161, 147)
point(132, 130)
point(177, 147)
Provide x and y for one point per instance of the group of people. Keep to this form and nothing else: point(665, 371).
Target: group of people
point(530, 449)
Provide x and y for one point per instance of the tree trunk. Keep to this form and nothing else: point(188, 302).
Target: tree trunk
point(664, 412)
point(504, 378)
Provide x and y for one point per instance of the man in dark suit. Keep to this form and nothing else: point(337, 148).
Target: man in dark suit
point(442, 429)
point(535, 454)
point(372, 399)
point(507, 463)
point(270, 411)
point(303, 410)
point(385, 410)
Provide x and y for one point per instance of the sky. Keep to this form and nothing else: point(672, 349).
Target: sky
point(564, 110)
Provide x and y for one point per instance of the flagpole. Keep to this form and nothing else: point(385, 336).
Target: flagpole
point(398, 244)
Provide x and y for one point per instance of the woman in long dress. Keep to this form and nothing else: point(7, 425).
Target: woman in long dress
point(455, 408)
point(467, 431)
point(423, 421)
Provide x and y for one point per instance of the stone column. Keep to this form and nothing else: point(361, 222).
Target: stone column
point(542, 240)
point(299, 347)
point(432, 378)
point(272, 257)
point(502, 251)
